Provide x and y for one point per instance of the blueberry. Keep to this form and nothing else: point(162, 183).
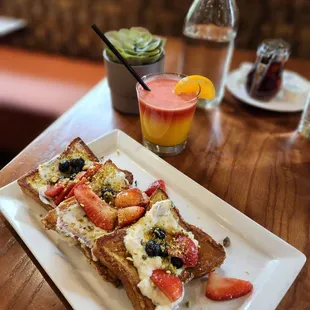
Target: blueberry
point(77, 163)
point(152, 248)
point(176, 262)
point(159, 233)
point(107, 190)
point(107, 194)
point(64, 166)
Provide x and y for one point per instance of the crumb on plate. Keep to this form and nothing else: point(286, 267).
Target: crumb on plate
point(226, 242)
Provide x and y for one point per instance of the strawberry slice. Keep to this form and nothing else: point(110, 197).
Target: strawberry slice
point(98, 211)
point(131, 197)
point(184, 248)
point(154, 186)
point(83, 176)
point(62, 196)
point(82, 181)
point(220, 288)
point(129, 215)
point(92, 170)
point(169, 284)
point(53, 191)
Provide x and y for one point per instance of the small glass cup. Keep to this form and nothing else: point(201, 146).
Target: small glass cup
point(165, 118)
point(304, 125)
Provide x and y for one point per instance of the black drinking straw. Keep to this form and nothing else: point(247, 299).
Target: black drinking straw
point(119, 56)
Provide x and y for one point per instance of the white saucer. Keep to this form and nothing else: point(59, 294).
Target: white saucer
point(10, 24)
point(281, 103)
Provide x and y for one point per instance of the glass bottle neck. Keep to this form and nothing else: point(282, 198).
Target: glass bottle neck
point(212, 19)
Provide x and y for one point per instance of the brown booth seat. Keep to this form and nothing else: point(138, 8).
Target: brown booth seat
point(35, 89)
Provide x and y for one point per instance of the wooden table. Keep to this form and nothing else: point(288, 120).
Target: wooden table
point(251, 158)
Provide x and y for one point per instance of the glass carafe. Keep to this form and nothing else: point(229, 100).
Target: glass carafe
point(210, 29)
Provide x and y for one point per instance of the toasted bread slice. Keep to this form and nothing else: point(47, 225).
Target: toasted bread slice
point(77, 232)
point(31, 182)
point(111, 251)
point(80, 232)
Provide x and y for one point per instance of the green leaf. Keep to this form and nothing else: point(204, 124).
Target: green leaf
point(136, 45)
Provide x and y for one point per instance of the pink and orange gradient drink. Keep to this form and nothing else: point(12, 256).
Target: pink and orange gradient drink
point(165, 116)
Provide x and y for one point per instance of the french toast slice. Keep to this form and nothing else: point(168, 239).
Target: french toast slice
point(31, 182)
point(111, 251)
point(79, 231)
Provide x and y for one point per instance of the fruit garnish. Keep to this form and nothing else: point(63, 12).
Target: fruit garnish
point(92, 170)
point(176, 262)
point(152, 248)
point(129, 215)
point(131, 197)
point(191, 83)
point(74, 165)
point(184, 248)
point(219, 288)
point(62, 196)
point(53, 191)
point(154, 186)
point(169, 284)
point(97, 210)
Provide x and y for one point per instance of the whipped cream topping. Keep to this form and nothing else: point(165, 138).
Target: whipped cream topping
point(73, 224)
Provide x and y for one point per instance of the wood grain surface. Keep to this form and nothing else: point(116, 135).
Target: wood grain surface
point(251, 158)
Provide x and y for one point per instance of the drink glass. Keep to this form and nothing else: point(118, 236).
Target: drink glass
point(165, 117)
point(304, 125)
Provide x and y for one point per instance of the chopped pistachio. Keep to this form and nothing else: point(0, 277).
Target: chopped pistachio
point(188, 304)
point(85, 167)
point(54, 179)
point(136, 183)
point(144, 257)
point(247, 272)
point(168, 271)
point(41, 215)
point(118, 152)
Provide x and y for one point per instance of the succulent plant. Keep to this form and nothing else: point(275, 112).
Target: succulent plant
point(137, 45)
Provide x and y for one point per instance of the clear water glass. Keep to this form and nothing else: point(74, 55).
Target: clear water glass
point(304, 125)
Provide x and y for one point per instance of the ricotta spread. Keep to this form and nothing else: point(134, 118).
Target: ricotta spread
point(73, 225)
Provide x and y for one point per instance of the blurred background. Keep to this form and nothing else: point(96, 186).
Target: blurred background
point(41, 65)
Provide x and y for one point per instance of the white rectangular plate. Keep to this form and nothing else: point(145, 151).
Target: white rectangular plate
point(255, 254)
